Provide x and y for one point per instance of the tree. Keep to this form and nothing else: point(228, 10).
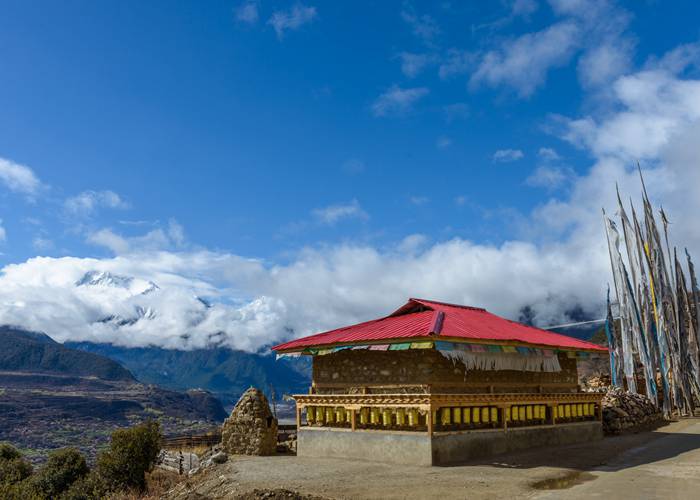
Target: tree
point(63, 468)
point(13, 466)
point(131, 454)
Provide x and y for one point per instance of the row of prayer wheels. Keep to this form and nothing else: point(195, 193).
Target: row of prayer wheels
point(469, 416)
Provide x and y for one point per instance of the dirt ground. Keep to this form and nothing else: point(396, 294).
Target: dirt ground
point(531, 474)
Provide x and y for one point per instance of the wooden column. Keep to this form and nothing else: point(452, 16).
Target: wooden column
point(353, 419)
point(504, 422)
point(429, 421)
point(553, 413)
point(298, 417)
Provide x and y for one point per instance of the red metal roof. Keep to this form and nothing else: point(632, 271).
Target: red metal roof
point(427, 318)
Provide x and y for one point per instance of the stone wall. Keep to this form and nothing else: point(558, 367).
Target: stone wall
point(353, 371)
point(251, 429)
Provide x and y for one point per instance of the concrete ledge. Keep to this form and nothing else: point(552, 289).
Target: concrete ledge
point(444, 448)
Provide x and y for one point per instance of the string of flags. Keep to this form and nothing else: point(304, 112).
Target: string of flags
point(443, 346)
point(659, 336)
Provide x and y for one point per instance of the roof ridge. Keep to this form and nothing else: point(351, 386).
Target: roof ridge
point(473, 308)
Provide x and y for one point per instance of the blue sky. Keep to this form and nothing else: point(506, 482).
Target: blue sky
point(291, 134)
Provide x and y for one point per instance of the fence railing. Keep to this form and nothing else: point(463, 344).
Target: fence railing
point(444, 412)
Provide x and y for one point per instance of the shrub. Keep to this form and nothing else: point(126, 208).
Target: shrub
point(62, 469)
point(89, 487)
point(13, 467)
point(131, 454)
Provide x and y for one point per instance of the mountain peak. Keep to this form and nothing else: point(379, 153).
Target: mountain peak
point(106, 279)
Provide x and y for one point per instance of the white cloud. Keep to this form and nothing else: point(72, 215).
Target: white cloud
point(460, 200)
point(247, 12)
point(155, 240)
point(42, 244)
point(418, 200)
point(87, 203)
point(109, 239)
point(397, 101)
point(292, 19)
point(19, 178)
point(548, 154)
point(523, 62)
point(523, 8)
point(423, 26)
point(457, 62)
point(333, 213)
point(596, 29)
point(507, 155)
point(604, 62)
point(414, 64)
point(550, 176)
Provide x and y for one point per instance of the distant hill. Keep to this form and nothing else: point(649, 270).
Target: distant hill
point(225, 372)
point(36, 352)
point(53, 396)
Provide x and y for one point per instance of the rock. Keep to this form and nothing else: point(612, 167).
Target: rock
point(251, 429)
point(219, 458)
point(628, 412)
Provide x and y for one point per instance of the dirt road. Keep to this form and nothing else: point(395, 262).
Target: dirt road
point(645, 465)
point(665, 468)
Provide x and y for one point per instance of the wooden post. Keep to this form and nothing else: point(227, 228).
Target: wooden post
point(429, 420)
point(599, 410)
point(552, 413)
point(353, 419)
point(504, 422)
point(298, 417)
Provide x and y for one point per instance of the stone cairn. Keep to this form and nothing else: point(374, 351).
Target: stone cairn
point(251, 429)
point(628, 412)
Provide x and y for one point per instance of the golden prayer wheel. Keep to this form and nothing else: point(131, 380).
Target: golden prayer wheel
point(485, 415)
point(467, 415)
point(591, 409)
point(340, 414)
point(320, 414)
point(494, 414)
point(536, 412)
point(514, 413)
point(579, 409)
point(310, 414)
point(348, 416)
point(506, 413)
point(528, 412)
point(522, 413)
point(543, 412)
point(386, 417)
point(364, 415)
point(400, 416)
point(445, 416)
point(476, 415)
point(457, 415)
point(567, 411)
point(412, 417)
point(330, 415)
point(374, 416)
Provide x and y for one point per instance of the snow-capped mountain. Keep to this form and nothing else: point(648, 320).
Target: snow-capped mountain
point(134, 286)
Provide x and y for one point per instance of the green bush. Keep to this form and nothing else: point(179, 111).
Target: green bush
point(13, 467)
point(19, 491)
point(62, 469)
point(89, 487)
point(131, 454)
